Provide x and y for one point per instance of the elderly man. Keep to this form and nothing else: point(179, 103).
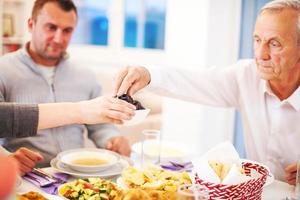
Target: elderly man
point(42, 73)
point(265, 90)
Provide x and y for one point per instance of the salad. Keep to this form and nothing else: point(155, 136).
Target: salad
point(89, 189)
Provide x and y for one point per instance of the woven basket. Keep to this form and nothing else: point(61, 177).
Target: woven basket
point(250, 190)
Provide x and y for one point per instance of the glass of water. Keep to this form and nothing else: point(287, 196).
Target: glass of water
point(151, 147)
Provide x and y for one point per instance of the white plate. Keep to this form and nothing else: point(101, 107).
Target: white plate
point(112, 171)
point(270, 177)
point(170, 151)
point(139, 116)
point(69, 156)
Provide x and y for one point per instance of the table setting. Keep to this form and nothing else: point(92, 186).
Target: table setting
point(102, 170)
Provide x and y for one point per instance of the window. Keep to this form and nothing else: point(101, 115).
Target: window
point(92, 27)
point(144, 23)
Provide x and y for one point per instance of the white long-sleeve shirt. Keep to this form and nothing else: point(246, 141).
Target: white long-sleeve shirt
point(271, 127)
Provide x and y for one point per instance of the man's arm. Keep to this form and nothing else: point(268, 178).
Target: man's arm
point(212, 86)
point(18, 120)
point(99, 110)
point(106, 135)
point(27, 159)
point(8, 174)
point(23, 120)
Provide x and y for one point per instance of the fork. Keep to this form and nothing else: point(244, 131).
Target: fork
point(41, 184)
point(47, 176)
point(183, 165)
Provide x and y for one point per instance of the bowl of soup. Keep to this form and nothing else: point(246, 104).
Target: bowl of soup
point(88, 160)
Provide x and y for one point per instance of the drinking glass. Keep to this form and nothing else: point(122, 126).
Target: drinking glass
point(151, 147)
point(297, 188)
point(192, 192)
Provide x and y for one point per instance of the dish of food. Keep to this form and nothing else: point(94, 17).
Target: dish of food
point(114, 170)
point(139, 116)
point(222, 169)
point(146, 194)
point(89, 189)
point(154, 177)
point(129, 99)
point(31, 196)
point(88, 160)
point(140, 113)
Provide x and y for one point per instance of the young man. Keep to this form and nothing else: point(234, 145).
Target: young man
point(265, 90)
point(42, 73)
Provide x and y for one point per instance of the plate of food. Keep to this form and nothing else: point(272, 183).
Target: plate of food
point(114, 170)
point(31, 195)
point(88, 160)
point(152, 177)
point(90, 188)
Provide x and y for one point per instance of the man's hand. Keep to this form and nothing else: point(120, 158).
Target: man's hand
point(106, 109)
point(8, 173)
point(131, 79)
point(290, 174)
point(119, 144)
point(27, 159)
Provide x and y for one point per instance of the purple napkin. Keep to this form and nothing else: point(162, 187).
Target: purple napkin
point(178, 166)
point(53, 185)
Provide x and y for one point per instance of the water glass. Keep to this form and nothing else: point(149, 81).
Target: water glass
point(297, 188)
point(151, 147)
point(192, 192)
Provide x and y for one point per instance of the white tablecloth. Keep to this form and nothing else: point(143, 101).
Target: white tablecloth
point(275, 191)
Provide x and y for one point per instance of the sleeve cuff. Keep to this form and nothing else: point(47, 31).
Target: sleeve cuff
point(25, 120)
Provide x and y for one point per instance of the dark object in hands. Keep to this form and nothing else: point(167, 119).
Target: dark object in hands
point(129, 99)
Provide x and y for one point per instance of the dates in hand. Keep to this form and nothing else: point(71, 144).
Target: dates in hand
point(129, 99)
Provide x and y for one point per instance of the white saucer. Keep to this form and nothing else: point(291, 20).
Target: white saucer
point(112, 171)
point(139, 116)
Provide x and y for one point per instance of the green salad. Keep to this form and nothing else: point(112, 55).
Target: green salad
point(89, 189)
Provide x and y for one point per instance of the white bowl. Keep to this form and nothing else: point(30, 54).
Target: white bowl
point(88, 160)
point(139, 116)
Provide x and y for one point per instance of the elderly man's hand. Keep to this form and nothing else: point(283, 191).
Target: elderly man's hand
point(131, 79)
point(119, 144)
point(106, 109)
point(27, 159)
point(290, 174)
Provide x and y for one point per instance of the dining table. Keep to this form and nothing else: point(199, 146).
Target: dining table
point(277, 190)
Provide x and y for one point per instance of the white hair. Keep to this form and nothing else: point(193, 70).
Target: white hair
point(279, 5)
